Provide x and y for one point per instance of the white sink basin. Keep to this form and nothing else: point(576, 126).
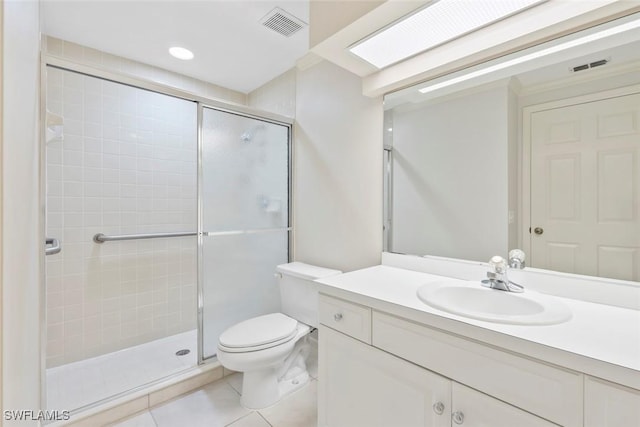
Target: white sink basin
point(471, 299)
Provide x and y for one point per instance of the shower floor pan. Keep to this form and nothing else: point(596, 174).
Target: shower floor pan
point(82, 383)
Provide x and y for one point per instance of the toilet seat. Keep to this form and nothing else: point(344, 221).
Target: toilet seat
point(258, 333)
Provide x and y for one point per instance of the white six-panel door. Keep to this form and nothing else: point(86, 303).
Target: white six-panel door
point(585, 188)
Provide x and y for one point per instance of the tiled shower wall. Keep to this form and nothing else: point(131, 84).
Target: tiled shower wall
point(126, 164)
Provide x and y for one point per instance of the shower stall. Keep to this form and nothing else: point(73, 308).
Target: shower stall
point(165, 216)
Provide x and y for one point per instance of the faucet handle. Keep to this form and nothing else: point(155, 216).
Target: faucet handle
point(516, 258)
point(498, 264)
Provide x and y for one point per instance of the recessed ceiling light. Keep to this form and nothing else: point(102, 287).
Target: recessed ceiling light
point(181, 53)
point(438, 23)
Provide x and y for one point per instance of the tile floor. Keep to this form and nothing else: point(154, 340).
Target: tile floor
point(77, 384)
point(218, 405)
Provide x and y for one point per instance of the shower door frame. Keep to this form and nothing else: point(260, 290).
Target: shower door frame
point(387, 204)
point(201, 233)
point(201, 103)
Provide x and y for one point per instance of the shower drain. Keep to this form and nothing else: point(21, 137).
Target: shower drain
point(183, 352)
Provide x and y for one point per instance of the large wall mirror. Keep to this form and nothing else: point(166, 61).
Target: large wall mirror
point(537, 150)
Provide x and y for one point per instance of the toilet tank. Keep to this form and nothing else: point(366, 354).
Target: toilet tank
point(299, 292)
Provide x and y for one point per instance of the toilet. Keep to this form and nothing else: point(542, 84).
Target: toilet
point(271, 350)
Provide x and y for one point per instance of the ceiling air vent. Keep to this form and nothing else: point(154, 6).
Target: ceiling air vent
point(282, 22)
point(590, 65)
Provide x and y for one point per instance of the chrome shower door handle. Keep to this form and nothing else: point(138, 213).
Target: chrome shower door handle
point(52, 246)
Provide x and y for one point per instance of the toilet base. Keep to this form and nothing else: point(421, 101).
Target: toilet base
point(265, 390)
point(259, 389)
point(265, 387)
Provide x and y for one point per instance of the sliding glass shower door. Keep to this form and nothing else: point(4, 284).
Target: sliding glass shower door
point(244, 219)
point(120, 163)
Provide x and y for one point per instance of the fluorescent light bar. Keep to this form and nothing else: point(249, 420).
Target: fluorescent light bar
point(534, 55)
point(438, 23)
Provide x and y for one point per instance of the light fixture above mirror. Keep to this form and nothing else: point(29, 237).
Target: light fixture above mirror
point(551, 52)
point(435, 24)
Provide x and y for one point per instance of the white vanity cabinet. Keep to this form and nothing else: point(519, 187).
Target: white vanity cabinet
point(386, 358)
point(361, 385)
point(547, 391)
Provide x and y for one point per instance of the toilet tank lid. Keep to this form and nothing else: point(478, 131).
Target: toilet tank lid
point(306, 271)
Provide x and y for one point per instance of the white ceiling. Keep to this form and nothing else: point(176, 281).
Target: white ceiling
point(231, 47)
point(622, 50)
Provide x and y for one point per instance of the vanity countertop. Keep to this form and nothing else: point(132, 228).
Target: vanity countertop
point(599, 340)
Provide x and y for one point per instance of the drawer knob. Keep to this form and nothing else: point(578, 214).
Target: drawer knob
point(457, 417)
point(438, 408)
point(337, 317)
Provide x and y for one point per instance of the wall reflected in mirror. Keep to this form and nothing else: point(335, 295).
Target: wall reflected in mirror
point(538, 150)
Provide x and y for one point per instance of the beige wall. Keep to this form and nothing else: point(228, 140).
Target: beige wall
point(22, 238)
point(277, 96)
point(338, 170)
point(337, 187)
point(328, 17)
point(450, 176)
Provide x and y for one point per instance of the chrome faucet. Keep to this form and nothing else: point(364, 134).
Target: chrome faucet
point(516, 259)
point(497, 277)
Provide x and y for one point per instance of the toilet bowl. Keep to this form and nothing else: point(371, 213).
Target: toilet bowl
point(271, 350)
point(263, 363)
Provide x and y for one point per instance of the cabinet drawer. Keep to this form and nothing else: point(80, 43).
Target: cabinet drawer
point(547, 391)
point(346, 317)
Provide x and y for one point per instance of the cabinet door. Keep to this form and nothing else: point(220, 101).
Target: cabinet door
point(480, 410)
point(610, 405)
point(362, 386)
point(552, 393)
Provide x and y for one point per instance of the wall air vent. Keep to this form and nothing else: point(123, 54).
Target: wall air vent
point(589, 65)
point(282, 22)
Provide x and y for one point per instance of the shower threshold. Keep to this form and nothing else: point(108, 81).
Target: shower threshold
point(88, 381)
